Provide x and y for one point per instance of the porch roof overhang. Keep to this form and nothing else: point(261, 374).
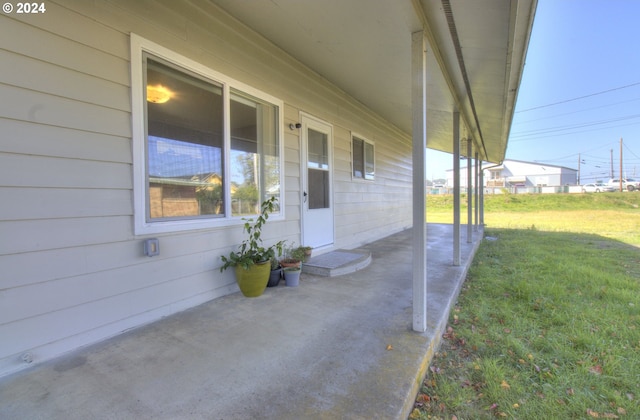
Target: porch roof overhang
point(475, 61)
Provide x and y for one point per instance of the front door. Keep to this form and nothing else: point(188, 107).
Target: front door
point(317, 198)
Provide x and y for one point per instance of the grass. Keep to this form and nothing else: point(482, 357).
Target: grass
point(611, 215)
point(548, 322)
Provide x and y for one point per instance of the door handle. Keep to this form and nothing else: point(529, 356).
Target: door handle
point(304, 194)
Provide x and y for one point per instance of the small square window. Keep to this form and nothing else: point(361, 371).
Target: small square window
point(363, 159)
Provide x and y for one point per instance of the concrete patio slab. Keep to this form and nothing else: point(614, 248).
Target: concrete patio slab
point(332, 348)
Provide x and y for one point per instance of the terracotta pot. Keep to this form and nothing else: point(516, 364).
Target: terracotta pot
point(307, 254)
point(287, 262)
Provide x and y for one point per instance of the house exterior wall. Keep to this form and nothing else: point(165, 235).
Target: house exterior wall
point(73, 270)
point(538, 174)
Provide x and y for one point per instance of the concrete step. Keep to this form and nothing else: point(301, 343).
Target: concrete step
point(337, 263)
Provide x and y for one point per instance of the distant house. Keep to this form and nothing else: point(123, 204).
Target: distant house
point(520, 175)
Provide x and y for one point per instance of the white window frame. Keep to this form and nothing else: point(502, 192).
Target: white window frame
point(365, 141)
point(141, 225)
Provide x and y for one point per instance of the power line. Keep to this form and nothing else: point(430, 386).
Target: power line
point(607, 145)
point(578, 98)
point(575, 112)
point(629, 150)
point(519, 136)
point(572, 132)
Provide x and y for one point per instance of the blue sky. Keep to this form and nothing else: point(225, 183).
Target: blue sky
point(580, 91)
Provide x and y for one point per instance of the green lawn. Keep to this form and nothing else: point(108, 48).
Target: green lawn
point(548, 323)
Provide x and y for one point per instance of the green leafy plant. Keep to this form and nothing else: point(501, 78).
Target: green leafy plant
point(251, 251)
point(297, 253)
point(294, 255)
point(275, 264)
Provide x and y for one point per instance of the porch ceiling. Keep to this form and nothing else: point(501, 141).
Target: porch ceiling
point(364, 47)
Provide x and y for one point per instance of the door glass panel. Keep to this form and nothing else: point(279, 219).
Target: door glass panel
point(318, 150)
point(318, 169)
point(318, 189)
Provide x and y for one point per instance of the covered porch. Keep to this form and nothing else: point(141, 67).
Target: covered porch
point(445, 71)
point(339, 347)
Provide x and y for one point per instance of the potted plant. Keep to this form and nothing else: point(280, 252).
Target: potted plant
point(251, 260)
point(293, 257)
point(307, 253)
point(276, 273)
point(292, 276)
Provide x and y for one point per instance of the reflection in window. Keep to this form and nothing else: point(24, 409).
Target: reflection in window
point(184, 145)
point(255, 168)
point(368, 161)
point(358, 158)
point(363, 159)
point(187, 154)
point(318, 169)
point(318, 145)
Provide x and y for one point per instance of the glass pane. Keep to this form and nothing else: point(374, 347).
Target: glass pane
point(318, 150)
point(184, 144)
point(358, 158)
point(369, 161)
point(318, 189)
point(255, 163)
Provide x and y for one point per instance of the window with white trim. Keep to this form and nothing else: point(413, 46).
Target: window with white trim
point(363, 158)
point(207, 150)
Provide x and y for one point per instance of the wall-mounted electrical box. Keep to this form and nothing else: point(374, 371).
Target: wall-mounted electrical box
point(151, 247)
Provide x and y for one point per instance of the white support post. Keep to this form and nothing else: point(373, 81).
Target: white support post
point(456, 188)
point(418, 103)
point(469, 193)
point(476, 192)
point(481, 186)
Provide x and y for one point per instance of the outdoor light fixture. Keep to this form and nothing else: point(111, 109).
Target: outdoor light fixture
point(158, 94)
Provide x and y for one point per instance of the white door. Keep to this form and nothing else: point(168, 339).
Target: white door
point(317, 198)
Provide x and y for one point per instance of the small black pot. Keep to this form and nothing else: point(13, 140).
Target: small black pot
point(275, 277)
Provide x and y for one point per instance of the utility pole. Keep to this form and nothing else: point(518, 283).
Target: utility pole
point(579, 168)
point(620, 164)
point(611, 160)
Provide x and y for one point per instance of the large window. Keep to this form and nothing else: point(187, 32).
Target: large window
point(255, 161)
point(363, 158)
point(184, 144)
point(207, 149)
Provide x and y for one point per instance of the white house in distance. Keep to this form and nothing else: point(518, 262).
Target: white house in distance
point(124, 121)
point(521, 176)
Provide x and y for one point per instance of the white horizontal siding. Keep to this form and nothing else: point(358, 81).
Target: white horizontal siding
point(56, 295)
point(85, 46)
point(45, 234)
point(40, 203)
point(26, 105)
point(73, 271)
point(86, 259)
point(40, 171)
point(26, 72)
point(27, 138)
point(79, 319)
